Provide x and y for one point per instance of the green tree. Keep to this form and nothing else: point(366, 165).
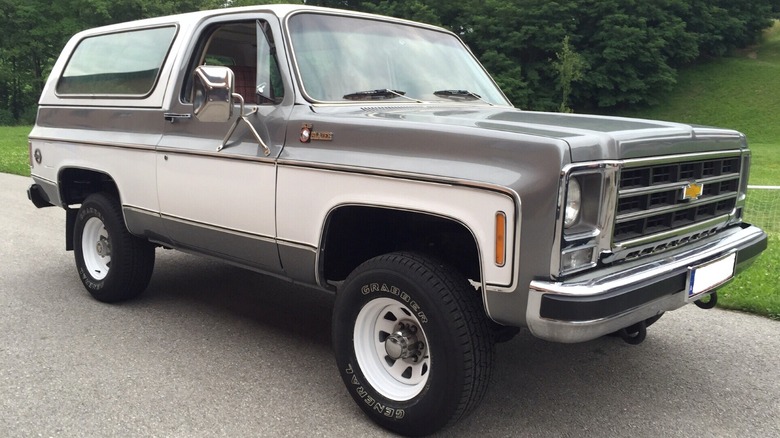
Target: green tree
point(417, 10)
point(520, 38)
point(35, 31)
point(630, 49)
point(569, 65)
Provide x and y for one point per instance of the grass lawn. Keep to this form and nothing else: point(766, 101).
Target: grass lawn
point(755, 290)
point(13, 150)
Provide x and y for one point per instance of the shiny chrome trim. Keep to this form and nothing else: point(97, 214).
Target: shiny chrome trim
point(390, 106)
point(601, 236)
point(172, 117)
point(410, 176)
point(581, 331)
point(636, 274)
point(744, 174)
point(658, 238)
point(672, 159)
point(243, 117)
point(593, 263)
point(625, 193)
point(214, 154)
point(94, 143)
point(503, 263)
point(39, 178)
point(165, 150)
point(640, 271)
point(689, 298)
point(298, 245)
point(141, 210)
point(625, 217)
point(718, 222)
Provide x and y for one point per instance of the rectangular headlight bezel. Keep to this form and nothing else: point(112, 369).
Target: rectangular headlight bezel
point(592, 231)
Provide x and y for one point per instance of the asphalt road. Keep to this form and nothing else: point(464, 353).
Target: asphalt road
point(211, 350)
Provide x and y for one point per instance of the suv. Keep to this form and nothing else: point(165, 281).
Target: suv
point(375, 158)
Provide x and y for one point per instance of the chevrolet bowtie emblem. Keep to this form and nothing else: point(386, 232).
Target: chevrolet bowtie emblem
point(692, 191)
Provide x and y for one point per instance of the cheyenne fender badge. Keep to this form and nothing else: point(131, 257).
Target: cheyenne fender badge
point(307, 134)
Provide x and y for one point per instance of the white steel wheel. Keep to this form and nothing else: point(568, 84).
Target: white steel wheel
point(411, 342)
point(391, 349)
point(96, 248)
point(113, 264)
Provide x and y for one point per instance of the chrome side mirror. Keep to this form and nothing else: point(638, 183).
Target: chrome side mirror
point(213, 93)
point(213, 101)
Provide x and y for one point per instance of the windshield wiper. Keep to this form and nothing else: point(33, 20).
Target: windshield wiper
point(461, 95)
point(384, 93)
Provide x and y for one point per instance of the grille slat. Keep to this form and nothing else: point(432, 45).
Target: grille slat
point(666, 208)
point(650, 198)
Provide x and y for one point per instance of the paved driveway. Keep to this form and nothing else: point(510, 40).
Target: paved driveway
point(211, 350)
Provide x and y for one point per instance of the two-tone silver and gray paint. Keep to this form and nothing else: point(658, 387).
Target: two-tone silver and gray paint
point(456, 162)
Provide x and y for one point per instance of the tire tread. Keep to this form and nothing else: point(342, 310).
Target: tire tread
point(132, 269)
point(466, 311)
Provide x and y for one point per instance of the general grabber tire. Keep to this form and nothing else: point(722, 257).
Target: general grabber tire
point(412, 343)
point(113, 264)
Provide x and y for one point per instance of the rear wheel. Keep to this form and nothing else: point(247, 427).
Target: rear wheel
point(412, 343)
point(113, 264)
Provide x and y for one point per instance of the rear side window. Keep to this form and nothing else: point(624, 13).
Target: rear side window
point(117, 64)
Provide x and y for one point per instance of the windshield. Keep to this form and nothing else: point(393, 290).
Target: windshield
point(348, 59)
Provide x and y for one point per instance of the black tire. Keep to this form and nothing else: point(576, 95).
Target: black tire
point(113, 264)
point(653, 319)
point(443, 379)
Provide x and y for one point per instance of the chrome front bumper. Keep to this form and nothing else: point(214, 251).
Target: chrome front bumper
point(607, 300)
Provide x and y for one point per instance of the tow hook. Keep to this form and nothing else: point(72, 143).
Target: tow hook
point(709, 304)
point(634, 334)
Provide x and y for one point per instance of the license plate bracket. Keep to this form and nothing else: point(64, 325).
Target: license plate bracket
point(705, 277)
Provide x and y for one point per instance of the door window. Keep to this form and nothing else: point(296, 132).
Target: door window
point(247, 48)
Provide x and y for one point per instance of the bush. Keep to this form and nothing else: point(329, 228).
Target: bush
point(6, 118)
point(29, 115)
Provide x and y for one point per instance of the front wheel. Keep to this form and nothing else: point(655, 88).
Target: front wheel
point(113, 264)
point(412, 343)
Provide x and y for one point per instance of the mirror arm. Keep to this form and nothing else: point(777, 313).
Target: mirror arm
point(260, 142)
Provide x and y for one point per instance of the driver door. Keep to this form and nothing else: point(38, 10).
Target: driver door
point(217, 195)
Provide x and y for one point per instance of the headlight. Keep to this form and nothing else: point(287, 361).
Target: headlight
point(587, 198)
point(573, 203)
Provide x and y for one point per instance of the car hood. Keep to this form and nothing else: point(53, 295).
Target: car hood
point(496, 145)
point(589, 137)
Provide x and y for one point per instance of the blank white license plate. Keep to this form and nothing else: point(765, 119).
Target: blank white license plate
point(703, 278)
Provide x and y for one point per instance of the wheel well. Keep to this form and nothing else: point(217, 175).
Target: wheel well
point(355, 234)
point(76, 184)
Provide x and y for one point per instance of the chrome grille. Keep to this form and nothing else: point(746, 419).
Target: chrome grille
point(651, 197)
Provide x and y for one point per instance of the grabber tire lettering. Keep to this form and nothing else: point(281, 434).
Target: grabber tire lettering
point(412, 342)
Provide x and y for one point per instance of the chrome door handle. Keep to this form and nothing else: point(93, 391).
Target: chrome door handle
point(172, 117)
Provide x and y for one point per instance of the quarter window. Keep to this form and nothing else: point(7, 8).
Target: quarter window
point(117, 64)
